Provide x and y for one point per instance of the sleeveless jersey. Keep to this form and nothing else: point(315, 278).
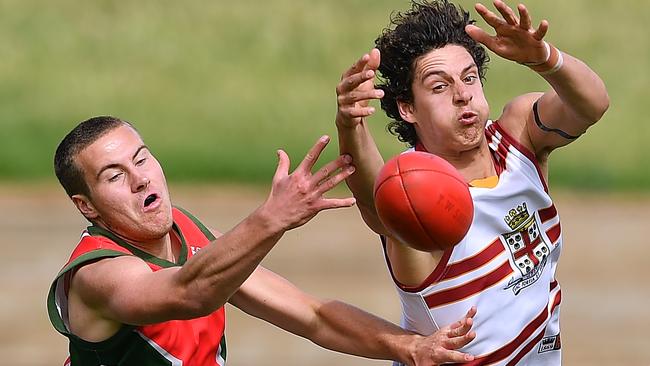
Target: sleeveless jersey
point(195, 342)
point(505, 266)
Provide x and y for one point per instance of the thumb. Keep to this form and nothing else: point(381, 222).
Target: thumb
point(375, 57)
point(283, 166)
point(478, 34)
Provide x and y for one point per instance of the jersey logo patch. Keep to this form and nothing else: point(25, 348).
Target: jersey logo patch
point(552, 343)
point(526, 245)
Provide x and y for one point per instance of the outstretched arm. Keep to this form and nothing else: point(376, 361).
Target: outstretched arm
point(344, 328)
point(354, 92)
point(578, 97)
point(125, 290)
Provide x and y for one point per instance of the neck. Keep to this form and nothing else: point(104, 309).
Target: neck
point(472, 164)
point(167, 247)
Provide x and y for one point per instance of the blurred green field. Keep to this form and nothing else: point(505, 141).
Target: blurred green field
point(216, 87)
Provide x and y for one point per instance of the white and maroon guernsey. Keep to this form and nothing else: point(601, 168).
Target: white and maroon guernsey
point(505, 266)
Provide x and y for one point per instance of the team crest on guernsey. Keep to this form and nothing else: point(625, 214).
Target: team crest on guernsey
point(527, 247)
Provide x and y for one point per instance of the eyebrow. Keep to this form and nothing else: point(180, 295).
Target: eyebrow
point(443, 73)
point(114, 165)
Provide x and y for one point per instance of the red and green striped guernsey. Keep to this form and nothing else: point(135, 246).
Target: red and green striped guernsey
point(194, 342)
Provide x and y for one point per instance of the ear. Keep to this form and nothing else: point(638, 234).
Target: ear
point(406, 111)
point(85, 206)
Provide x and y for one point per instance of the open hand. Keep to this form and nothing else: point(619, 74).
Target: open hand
point(297, 197)
point(356, 89)
point(441, 347)
point(515, 37)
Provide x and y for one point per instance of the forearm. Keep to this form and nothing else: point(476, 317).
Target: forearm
point(581, 91)
point(358, 142)
point(344, 328)
point(216, 272)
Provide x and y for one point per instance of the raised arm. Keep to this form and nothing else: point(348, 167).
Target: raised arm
point(354, 92)
point(125, 290)
point(344, 328)
point(578, 97)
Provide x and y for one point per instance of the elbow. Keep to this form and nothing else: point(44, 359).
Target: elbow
point(600, 108)
point(191, 303)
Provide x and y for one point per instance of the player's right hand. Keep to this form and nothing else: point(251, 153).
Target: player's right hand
point(442, 346)
point(356, 89)
point(297, 197)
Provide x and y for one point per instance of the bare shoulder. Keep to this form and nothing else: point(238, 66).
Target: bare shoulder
point(91, 288)
point(96, 281)
point(516, 116)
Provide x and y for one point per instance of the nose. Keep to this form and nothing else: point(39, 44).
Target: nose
point(462, 95)
point(140, 183)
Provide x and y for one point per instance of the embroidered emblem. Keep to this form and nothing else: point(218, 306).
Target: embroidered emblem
point(527, 247)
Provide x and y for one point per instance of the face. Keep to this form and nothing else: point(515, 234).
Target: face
point(449, 109)
point(128, 190)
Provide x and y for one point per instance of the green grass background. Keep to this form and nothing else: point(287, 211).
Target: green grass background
point(216, 87)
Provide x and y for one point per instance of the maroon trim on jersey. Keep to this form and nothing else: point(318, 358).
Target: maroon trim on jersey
point(499, 155)
point(474, 262)
point(522, 149)
point(470, 288)
point(538, 337)
point(509, 348)
point(554, 233)
point(548, 213)
point(434, 277)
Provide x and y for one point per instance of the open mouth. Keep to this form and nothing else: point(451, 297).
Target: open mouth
point(150, 199)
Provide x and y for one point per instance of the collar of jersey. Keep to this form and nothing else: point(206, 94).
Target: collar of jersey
point(147, 257)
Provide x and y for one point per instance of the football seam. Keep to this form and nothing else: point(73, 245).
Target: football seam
point(411, 202)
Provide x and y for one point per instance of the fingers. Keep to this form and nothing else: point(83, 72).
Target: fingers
point(347, 89)
point(328, 183)
point(368, 61)
point(455, 356)
point(489, 17)
point(541, 31)
point(342, 162)
point(506, 12)
point(312, 156)
point(331, 203)
point(524, 17)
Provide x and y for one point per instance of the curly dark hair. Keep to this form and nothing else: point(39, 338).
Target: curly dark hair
point(428, 25)
point(67, 171)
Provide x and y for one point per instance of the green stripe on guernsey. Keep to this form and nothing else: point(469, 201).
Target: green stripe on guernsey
point(147, 257)
point(208, 234)
point(52, 310)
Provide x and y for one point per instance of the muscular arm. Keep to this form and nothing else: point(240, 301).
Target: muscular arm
point(578, 97)
point(109, 292)
point(344, 328)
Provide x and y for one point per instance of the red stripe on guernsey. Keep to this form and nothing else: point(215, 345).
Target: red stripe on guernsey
point(509, 348)
point(554, 233)
point(538, 337)
point(524, 150)
point(548, 213)
point(474, 262)
point(458, 293)
point(501, 152)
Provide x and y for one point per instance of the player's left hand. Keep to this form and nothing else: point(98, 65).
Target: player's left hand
point(441, 347)
point(515, 39)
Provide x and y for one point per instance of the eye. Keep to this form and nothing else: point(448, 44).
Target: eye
point(438, 87)
point(115, 177)
point(470, 79)
point(140, 161)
